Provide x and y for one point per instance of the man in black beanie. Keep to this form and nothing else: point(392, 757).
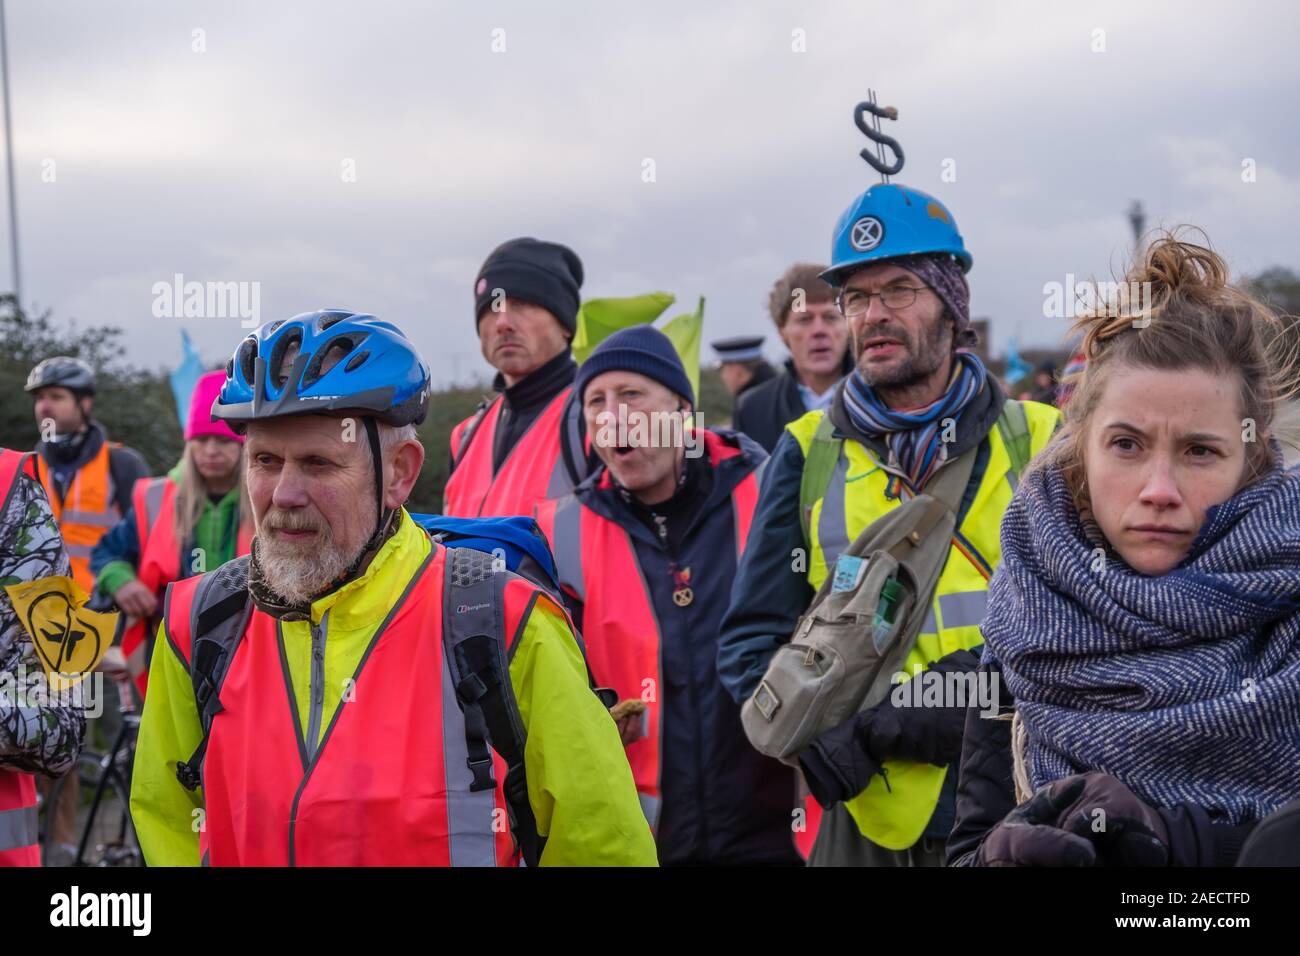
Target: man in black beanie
point(506, 457)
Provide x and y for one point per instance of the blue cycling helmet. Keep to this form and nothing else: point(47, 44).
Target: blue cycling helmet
point(890, 220)
point(372, 368)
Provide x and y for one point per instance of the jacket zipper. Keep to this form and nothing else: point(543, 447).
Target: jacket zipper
point(317, 688)
point(661, 525)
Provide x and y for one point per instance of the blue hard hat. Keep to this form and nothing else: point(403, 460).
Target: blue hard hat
point(373, 368)
point(890, 220)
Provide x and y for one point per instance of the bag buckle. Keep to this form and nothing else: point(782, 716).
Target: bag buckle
point(765, 700)
point(481, 770)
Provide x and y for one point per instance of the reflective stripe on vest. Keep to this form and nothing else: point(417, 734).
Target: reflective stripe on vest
point(471, 841)
point(832, 526)
point(388, 785)
point(620, 624)
point(18, 828)
point(894, 814)
point(650, 806)
point(533, 470)
point(86, 512)
point(18, 825)
point(620, 628)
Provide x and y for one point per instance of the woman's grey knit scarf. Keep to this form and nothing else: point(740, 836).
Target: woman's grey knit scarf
point(1185, 686)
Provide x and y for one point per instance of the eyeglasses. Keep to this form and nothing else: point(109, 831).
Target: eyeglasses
point(854, 303)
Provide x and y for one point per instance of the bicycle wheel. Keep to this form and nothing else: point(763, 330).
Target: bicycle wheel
point(108, 836)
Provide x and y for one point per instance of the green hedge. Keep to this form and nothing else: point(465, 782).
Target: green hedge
point(137, 407)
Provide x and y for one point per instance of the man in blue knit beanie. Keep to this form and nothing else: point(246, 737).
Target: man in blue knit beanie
point(646, 549)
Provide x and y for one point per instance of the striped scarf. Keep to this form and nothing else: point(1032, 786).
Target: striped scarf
point(1185, 686)
point(913, 437)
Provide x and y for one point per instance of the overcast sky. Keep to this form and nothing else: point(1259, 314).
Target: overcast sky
point(230, 162)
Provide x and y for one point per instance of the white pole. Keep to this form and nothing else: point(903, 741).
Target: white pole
point(9, 162)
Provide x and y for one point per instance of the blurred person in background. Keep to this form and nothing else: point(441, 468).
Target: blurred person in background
point(741, 364)
point(802, 307)
point(194, 518)
point(87, 478)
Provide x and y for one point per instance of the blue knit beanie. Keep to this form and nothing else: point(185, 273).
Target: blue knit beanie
point(642, 349)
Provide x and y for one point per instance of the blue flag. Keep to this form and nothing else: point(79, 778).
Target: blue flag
point(185, 377)
point(1017, 368)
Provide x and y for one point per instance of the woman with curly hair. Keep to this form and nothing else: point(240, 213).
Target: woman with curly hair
point(1143, 627)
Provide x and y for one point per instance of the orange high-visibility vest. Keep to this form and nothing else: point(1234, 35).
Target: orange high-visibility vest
point(597, 564)
point(18, 836)
point(388, 784)
point(154, 503)
point(533, 471)
point(86, 513)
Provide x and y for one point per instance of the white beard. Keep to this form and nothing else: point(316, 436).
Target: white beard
point(299, 573)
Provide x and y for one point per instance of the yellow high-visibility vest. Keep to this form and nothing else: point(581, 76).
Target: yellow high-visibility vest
point(894, 815)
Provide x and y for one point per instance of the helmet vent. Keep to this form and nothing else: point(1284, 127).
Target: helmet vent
point(283, 355)
point(329, 355)
point(355, 362)
point(247, 355)
point(330, 318)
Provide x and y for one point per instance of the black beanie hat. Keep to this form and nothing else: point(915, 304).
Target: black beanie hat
point(543, 273)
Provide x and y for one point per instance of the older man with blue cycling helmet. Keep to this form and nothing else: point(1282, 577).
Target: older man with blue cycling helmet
point(355, 693)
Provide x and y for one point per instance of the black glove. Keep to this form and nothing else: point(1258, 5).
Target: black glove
point(840, 762)
point(837, 764)
point(1060, 826)
point(921, 734)
point(1028, 835)
point(1124, 830)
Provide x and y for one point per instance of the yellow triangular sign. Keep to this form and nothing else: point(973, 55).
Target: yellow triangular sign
point(70, 638)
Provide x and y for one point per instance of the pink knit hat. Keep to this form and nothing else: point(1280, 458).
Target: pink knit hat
point(205, 393)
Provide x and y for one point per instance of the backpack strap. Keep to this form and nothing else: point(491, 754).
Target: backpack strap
point(474, 645)
point(1013, 426)
point(818, 467)
point(218, 618)
point(578, 462)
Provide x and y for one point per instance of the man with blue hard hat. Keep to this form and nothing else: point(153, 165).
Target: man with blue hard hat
point(916, 401)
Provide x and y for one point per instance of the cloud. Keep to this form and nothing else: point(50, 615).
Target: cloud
point(231, 162)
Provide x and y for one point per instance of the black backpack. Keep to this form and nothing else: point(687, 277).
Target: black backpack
point(474, 645)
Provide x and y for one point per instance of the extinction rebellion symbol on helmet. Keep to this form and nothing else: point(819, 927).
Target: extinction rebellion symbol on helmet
point(867, 233)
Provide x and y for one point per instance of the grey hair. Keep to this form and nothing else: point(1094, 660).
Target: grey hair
point(390, 435)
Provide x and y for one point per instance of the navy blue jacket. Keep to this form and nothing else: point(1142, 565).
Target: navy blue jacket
point(723, 802)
